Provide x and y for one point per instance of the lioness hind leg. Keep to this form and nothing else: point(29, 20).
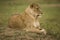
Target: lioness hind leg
point(35, 30)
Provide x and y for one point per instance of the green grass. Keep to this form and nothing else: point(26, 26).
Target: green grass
point(51, 21)
point(52, 15)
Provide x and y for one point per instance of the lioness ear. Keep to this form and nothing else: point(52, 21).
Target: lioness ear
point(32, 5)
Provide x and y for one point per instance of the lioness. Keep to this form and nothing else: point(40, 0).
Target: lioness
point(28, 20)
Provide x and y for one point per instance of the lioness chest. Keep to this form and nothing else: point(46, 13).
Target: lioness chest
point(36, 24)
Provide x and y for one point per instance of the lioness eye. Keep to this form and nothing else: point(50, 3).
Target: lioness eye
point(37, 8)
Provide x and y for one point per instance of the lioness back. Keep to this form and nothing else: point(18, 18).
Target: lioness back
point(20, 21)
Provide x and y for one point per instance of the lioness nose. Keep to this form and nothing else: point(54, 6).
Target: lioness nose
point(41, 13)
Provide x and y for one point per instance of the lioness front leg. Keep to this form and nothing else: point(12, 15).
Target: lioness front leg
point(35, 30)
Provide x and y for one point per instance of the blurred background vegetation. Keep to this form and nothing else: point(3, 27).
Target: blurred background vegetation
point(50, 20)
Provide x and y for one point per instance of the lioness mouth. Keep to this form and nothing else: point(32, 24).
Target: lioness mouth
point(38, 15)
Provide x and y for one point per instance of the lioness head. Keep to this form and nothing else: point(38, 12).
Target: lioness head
point(34, 10)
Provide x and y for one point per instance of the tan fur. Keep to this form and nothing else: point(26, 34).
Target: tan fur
point(28, 20)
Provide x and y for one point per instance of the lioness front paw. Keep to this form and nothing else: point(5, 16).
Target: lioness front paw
point(43, 31)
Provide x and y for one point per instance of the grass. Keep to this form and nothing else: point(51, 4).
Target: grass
point(51, 17)
point(50, 20)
